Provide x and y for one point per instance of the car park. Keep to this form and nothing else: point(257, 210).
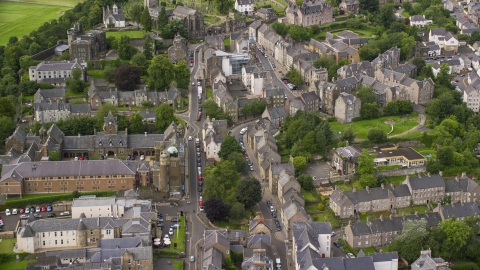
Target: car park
point(52, 215)
point(65, 213)
point(37, 215)
point(170, 231)
point(32, 209)
point(27, 210)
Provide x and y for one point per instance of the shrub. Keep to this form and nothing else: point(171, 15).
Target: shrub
point(19, 203)
point(320, 206)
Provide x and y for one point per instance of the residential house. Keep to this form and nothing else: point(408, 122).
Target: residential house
point(350, 6)
point(216, 247)
point(285, 183)
point(292, 212)
point(461, 211)
point(311, 101)
point(216, 42)
point(382, 260)
point(336, 49)
point(351, 70)
point(426, 189)
point(408, 69)
point(260, 226)
point(448, 5)
point(244, 6)
point(388, 59)
point(382, 231)
point(294, 194)
point(240, 41)
point(311, 240)
point(444, 39)
point(256, 78)
point(309, 13)
point(266, 14)
point(253, 28)
point(266, 153)
point(57, 72)
point(427, 262)
point(471, 96)
point(213, 133)
point(275, 97)
point(345, 159)
point(107, 206)
point(50, 112)
point(276, 115)
point(405, 157)
point(340, 263)
point(259, 260)
point(274, 172)
point(113, 17)
point(49, 95)
point(294, 105)
point(462, 189)
point(347, 107)
point(455, 65)
point(216, 75)
point(419, 21)
point(328, 93)
point(347, 85)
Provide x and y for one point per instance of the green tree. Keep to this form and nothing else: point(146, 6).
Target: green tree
point(229, 145)
point(369, 52)
point(75, 83)
point(369, 5)
point(147, 47)
point(368, 180)
point(376, 135)
point(369, 111)
point(348, 134)
point(172, 28)
point(306, 181)
point(412, 240)
point(161, 72)
point(162, 18)
point(7, 108)
point(139, 60)
point(295, 76)
point(125, 49)
point(182, 74)
point(220, 180)
point(73, 126)
point(7, 127)
point(26, 62)
point(136, 124)
point(397, 27)
point(146, 20)
point(298, 32)
point(216, 209)
point(474, 36)
point(239, 160)
point(34, 48)
point(299, 164)
point(55, 155)
point(109, 73)
point(257, 108)
point(407, 6)
point(223, 6)
point(237, 211)
point(164, 117)
point(135, 13)
point(443, 77)
point(246, 110)
point(102, 112)
point(249, 192)
point(445, 155)
point(419, 63)
point(366, 94)
point(386, 16)
point(366, 163)
point(127, 77)
point(408, 43)
point(457, 234)
point(76, 194)
point(12, 56)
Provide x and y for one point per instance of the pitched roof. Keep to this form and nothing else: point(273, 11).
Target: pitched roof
point(347, 152)
point(458, 210)
point(432, 181)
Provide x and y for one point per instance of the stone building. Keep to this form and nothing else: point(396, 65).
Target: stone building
point(178, 51)
point(192, 20)
point(347, 107)
point(49, 95)
point(313, 12)
point(51, 112)
point(113, 17)
point(345, 159)
point(350, 6)
point(86, 46)
point(56, 72)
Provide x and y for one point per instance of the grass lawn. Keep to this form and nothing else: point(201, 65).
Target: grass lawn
point(15, 265)
point(397, 180)
point(63, 3)
point(72, 94)
point(342, 186)
point(369, 250)
point(361, 128)
point(178, 265)
point(405, 14)
point(211, 19)
point(309, 196)
point(227, 42)
point(311, 208)
point(96, 73)
point(426, 151)
point(327, 216)
point(131, 34)
point(416, 135)
point(365, 215)
point(411, 210)
point(6, 246)
point(387, 168)
point(209, 92)
point(19, 19)
point(179, 236)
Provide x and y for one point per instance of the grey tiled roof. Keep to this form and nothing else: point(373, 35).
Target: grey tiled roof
point(216, 237)
point(365, 263)
point(348, 152)
point(334, 263)
point(460, 210)
point(291, 208)
point(464, 184)
point(433, 181)
point(384, 256)
point(400, 191)
point(80, 108)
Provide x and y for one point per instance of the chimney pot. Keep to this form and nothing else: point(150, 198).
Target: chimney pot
point(145, 134)
point(383, 186)
point(464, 174)
point(440, 173)
point(392, 185)
point(429, 174)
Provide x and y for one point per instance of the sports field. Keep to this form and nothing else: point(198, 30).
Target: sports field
point(63, 3)
point(19, 19)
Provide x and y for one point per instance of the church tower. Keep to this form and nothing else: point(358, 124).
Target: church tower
point(115, 9)
point(164, 180)
point(110, 125)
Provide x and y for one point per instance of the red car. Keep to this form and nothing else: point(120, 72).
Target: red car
point(200, 203)
point(43, 208)
point(200, 178)
point(22, 210)
point(245, 154)
point(191, 61)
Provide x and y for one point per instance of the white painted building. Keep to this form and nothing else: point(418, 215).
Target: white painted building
point(419, 21)
point(244, 6)
point(51, 70)
point(92, 206)
point(471, 97)
point(311, 236)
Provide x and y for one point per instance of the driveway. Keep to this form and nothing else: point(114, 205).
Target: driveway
point(318, 169)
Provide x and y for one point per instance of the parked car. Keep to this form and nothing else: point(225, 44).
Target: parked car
point(200, 189)
point(37, 215)
point(269, 203)
point(166, 236)
point(272, 209)
point(190, 138)
point(350, 255)
point(175, 226)
point(274, 215)
point(1, 229)
point(43, 208)
point(27, 210)
point(49, 208)
point(175, 219)
point(201, 208)
point(22, 210)
point(251, 168)
point(66, 213)
point(23, 216)
point(14, 211)
point(192, 258)
point(37, 209)
point(32, 209)
point(333, 233)
point(337, 244)
point(8, 213)
point(170, 231)
point(52, 215)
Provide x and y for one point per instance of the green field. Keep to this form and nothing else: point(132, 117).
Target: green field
point(15, 265)
point(63, 3)
point(19, 19)
point(361, 128)
point(130, 34)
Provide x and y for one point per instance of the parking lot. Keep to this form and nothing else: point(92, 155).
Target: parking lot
point(10, 222)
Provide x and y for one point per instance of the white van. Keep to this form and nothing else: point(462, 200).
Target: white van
point(278, 262)
point(197, 140)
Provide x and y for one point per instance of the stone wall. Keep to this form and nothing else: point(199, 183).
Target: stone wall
point(48, 52)
point(399, 172)
point(413, 143)
point(227, 27)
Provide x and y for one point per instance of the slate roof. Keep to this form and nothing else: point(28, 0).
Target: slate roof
point(184, 10)
point(142, 141)
point(433, 181)
point(333, 263)
point(347, 152)
point(118, 16)
point(383, 257)
point(215, 237)
point(212, 256)
point(426, 262)
point(438, 31)
point(291, 208)
point(278, 168)
point(51, 93)
point(464, 184)
point(400, 190)
point(305, 233)
point(80, 108)
point(365, 263)
point(277, 112)
point(59, 65)
point(245, 2)
point(458, 210)
point(407, 153)
point(267, 239)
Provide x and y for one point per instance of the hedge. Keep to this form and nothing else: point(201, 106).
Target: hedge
point(465, 266)
point(22, 202)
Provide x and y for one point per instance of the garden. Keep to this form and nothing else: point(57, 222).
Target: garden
point(8, 257)
point(130, 34)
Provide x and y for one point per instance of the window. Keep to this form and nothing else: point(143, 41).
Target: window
point(43, 243)
point(55, 234)
point(55, 242)
point(43, 234)
point(61, 241)
point(91, 232)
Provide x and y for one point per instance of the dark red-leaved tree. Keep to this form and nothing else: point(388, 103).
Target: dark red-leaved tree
point(216, 209)
point(127, 77)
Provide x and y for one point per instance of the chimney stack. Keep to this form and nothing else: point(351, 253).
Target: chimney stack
point(392, 185)
point(381, 217)
point(429, 174)
point(346, 143)
point(354, 189)
point(367, 188)
point(464, 174)
point(457, 178)
point(383, 186)
point(440, 173)
point(419, 175)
